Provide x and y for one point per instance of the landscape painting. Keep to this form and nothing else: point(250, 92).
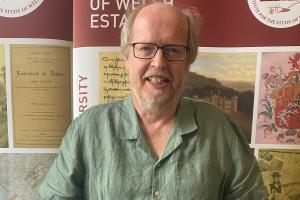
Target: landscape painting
point(226, 80)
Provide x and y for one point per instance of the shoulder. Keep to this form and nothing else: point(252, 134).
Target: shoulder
point(101, 113)
point(205, 110)
point(214, 122)
point(96, 118)
point(101, 110)
point(94, 128)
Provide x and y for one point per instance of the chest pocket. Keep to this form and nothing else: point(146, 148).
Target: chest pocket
point(119, 182)
point(129, 182)
point(200, 181)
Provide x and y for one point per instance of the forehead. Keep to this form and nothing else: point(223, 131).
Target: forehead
point(160, 23)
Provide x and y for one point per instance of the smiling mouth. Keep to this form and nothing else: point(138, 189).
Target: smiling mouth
point(157, 80)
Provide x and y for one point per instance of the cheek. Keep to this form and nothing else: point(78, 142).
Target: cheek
point(136, 68)
point(179, 72)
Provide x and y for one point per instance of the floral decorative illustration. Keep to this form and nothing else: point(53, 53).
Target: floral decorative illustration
point(279, 107)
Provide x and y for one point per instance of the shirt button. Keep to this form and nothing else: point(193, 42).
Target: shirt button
point(156, 193)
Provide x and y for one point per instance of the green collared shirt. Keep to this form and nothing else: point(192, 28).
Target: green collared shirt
point(104, 155)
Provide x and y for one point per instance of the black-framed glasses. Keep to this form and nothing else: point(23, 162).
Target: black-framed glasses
point(171, 52)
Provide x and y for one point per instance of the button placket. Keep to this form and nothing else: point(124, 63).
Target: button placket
point(157, 194)
point(155, 183)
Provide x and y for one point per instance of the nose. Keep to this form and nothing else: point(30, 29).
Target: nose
point(159, 61)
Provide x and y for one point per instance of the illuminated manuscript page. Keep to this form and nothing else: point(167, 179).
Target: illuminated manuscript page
point(41, 94)
point(114, 81)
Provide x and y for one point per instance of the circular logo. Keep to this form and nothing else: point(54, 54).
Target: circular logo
point(17, 8)
point(276, 13)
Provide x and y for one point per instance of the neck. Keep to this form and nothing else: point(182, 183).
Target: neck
point(156, 114)
point(157, 124)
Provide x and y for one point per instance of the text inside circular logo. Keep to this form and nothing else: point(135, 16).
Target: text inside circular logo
point(17, 8)
point(276, 14)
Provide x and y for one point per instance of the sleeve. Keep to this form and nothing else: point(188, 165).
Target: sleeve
point(65, 177)
point(244, 181)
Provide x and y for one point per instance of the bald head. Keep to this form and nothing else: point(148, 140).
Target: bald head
point(161, 17)
point(155, 24)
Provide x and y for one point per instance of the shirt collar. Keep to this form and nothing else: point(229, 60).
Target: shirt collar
point(185, 117)
point(130, 129)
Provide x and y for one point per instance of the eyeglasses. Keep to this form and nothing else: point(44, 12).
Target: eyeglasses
point(171, 52)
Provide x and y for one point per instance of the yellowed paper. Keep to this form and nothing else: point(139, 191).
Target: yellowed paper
point(281, 173)
point(3, 102)
point(41, 94)
point(114, 81)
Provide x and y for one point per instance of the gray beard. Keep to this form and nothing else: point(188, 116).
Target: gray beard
point(155, 103)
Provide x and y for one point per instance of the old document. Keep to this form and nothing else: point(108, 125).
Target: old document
point(114, 80)
point(281, 172)
point(41, 94)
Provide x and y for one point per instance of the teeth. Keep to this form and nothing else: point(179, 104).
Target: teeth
point(156, 79)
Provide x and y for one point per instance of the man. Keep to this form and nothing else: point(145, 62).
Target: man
point(275, 186)
point(155, 144)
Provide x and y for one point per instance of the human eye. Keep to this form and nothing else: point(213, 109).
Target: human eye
point(145, 49)
point(174, 51)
